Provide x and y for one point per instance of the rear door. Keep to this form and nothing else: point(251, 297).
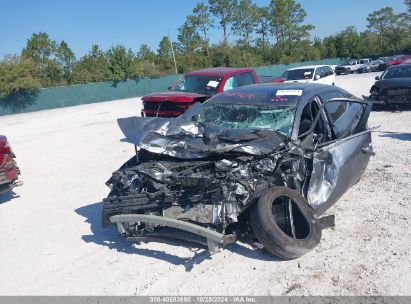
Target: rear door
point(339, 163)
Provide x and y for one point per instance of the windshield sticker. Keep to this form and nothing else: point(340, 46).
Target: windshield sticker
point(213, 83)
point(289, 93)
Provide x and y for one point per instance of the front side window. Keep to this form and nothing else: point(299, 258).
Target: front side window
point(321, 130)
point(322, 72)
point(231, 83)
point(317, 73)
point(344, 117)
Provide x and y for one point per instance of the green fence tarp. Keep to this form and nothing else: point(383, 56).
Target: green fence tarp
point(68, 96)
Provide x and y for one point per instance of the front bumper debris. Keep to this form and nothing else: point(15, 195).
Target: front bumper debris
point(215, 240)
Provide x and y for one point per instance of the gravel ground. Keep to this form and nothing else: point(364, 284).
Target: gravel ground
point(52, 242)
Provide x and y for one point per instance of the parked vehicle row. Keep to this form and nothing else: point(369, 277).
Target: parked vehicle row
point(367, 65)
point(200, 85)
point(196, 86)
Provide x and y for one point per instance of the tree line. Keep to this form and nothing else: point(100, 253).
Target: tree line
point(251, 35)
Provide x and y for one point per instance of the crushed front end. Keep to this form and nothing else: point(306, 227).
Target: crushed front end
point(195, 182)
point(211, 194)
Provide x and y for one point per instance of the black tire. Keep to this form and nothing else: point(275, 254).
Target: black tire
point(268, 231)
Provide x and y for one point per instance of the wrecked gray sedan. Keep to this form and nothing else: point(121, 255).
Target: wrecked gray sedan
point(259, 163)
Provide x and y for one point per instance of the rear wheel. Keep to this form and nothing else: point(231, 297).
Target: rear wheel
point(284, 223)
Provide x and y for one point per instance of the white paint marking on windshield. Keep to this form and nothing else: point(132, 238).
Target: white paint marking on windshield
point(289, 93)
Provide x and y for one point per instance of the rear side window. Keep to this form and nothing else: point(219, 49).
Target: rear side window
point(245, 79)
point(344, 117)
point(324, 71)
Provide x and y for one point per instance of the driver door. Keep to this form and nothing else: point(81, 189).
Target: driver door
point(338, 164)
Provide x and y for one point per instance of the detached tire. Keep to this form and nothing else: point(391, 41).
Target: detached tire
point(268, 218)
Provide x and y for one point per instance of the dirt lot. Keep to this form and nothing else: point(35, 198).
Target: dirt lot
point(51, 241)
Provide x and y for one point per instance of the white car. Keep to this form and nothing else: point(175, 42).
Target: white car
point(311, 73)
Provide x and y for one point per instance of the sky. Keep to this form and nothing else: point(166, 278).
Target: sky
point(82, 23)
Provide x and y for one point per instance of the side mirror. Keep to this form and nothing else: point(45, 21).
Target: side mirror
point(317, 77)
point(377, 77)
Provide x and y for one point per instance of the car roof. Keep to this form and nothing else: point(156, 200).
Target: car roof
point(309, 67)
point(218, 71)
point(267, 93)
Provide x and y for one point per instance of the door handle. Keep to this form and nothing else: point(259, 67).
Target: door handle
point(368, 150)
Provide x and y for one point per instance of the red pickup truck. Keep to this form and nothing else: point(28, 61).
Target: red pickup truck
point(196, 86)
point(8, 168)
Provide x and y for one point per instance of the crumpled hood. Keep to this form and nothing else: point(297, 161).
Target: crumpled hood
point(174, 96)
point(394, 83)
point(184, 138)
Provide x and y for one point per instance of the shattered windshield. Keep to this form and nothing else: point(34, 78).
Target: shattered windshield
point(299, 74)
point(249, 116)
point(206, 85)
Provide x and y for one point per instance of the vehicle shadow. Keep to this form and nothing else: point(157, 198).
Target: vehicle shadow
point(396, 135)
point(111, 238)
point(8, 196)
